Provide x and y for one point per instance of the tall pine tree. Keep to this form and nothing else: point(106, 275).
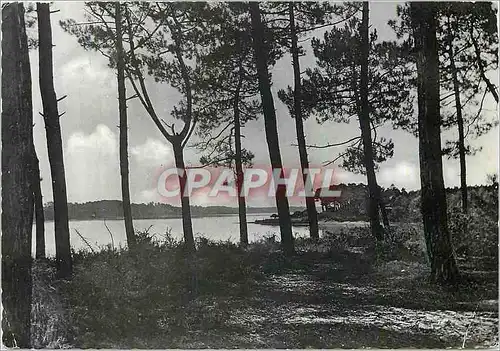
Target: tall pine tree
point(357, 77)
point(261, 52)
point(423, 18)
point(17, 178)
point(51, 118)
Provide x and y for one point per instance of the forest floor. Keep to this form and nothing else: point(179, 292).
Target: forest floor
point(343, 292)
point(348, 303)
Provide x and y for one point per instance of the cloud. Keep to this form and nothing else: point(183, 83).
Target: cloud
point(451, 175)
point(402, 174)
point(102, 141)
point(92, 165)
point(153, 152)
point(148, 160)
point(84, 67)
point(147, 196)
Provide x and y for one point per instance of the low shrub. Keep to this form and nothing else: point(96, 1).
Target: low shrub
point(473, 234)
point(154, 289)
point(49, 320)
point(404, 242)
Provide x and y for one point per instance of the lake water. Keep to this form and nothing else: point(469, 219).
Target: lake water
point(215, 228)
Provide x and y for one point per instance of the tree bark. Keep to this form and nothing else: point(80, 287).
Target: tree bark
point(242, 210)
point(383, 212)
point(187, 224)
point(122, 107)
point(433, 197)
point(54, 141)
point(17, 178)
point(364, 124)
point(312, 214)
point(39, 215)
point(261, 55)
point(460, 123)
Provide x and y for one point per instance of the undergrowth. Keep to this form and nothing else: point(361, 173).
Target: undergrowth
point(156, 290)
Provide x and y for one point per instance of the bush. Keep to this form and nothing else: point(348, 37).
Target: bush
point(118, 296)
point(49, 324)
point(404, 242)
point(473, 234)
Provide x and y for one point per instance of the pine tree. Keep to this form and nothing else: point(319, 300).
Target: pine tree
point(229, 93)
point(122, 107)
point(261, 52)
point(462, 78)
point(39, 215)
point(462, 29)
point(30, 24)
point(17, 179)
point(333, 90)
point(161, 49)
point(433, 197)
point(54, 141)
point(288, 22)
point(364, 124)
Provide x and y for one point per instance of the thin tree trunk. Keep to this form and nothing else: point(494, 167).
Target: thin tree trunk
point(54, 141)
point(39, 216)
point(433, 197)
point(122, 107)
point(242, 211)
point(480, 64)
point(17, 178)
point(178, 140)
point(364, 123)
point(261, 54)
point(187, 224)
point(383, 212)
point(460, 123)
point(312, 214)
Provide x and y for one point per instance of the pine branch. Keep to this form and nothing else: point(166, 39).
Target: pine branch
point(331, 145)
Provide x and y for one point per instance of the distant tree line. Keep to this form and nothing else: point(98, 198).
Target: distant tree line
point(402, 205)
point(112, 209)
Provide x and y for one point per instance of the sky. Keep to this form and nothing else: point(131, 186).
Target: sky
point(90, 128)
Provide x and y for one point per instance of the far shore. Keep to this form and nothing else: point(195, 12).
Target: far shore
point(208, 215)
point(324, 224)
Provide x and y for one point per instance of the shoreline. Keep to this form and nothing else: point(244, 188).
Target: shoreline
point(157, 218)
point(263, 221)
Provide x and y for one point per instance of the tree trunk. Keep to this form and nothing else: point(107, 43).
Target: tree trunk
point(383, 212)
point(261, 56)
point(460, 123)
point(17, 178)
point(312, 215)
point(187, 224)
point(364, 123)
point(39, 216)
point(122, 107)
point(54, 141)
point(433, 197)
point(242, 211)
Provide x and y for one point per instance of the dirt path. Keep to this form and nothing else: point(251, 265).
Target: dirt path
point(345, 303)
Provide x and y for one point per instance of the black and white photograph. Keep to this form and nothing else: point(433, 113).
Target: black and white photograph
point(249, 175)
